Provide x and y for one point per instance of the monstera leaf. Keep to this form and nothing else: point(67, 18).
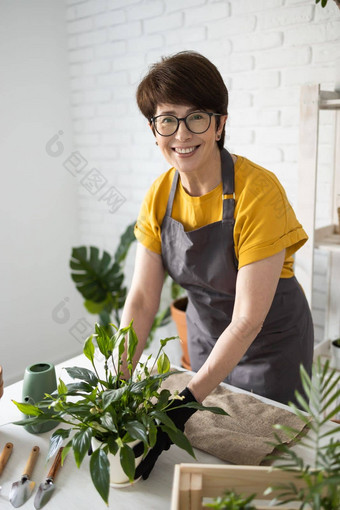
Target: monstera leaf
point(96, 276)
point(126, 239)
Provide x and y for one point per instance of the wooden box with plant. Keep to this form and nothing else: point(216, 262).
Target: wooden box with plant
point(113, 410)
point(292, 481)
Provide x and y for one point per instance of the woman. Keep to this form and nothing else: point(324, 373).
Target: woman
point(223, 229)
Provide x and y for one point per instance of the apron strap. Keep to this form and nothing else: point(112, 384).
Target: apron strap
point(228, 195)
point(168, 211)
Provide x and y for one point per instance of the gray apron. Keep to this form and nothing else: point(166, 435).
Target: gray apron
point(203, 262)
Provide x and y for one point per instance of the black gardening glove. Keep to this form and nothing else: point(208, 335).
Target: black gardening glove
point(163, 441)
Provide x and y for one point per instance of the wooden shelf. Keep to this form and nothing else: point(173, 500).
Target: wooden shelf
point(327, 238)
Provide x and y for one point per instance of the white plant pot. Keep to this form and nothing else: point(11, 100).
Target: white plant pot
point(118, 477)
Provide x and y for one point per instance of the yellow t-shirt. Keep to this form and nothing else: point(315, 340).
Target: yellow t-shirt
point(265, 222)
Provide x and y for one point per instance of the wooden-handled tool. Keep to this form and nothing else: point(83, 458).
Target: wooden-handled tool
point(46, 488)
point(5, 455)
point(22, 489)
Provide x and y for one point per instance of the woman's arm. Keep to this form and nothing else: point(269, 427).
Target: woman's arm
point(255, 289)
point(143, 299)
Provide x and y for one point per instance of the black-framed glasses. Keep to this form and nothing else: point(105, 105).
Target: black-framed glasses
point(196, 122)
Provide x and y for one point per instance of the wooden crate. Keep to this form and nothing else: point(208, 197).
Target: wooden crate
point(193, 482)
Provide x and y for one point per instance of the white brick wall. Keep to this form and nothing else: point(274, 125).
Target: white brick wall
point(265, 49)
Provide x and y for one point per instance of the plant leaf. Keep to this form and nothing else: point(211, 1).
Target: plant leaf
point(112, 444)
point(132, 343)
point(164, 341)
point(56, 440)
point(100, 473)
point(104, 342)
point(77, 388)
point(29, 409)
point(110, 396)
point(163, 364)
point(179, 439)
point(81, 443)
point(84, 374)
point(125, 241)
point(127, 460)
point(137, 431)
point(96, 276)
point(108, 423)
point(89, 349)
point(62, 389)
point(200, 407)
point(163, 418)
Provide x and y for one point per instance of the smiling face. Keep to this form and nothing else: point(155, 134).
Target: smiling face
point(187, 151)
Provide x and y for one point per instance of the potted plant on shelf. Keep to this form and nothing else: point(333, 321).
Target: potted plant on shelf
point(335, 346)
point(113, 410)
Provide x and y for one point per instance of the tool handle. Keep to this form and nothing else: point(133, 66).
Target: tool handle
point(5, 455)
point(56, 464)
point(32, 459)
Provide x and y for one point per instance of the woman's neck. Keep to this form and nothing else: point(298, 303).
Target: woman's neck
point(199, 183)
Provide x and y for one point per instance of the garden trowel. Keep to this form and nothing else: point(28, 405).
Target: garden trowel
point(22, 489)
point(46, 488)
point(5, 455)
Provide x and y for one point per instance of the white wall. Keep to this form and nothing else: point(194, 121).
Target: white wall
point(265, 49)
point(38, 196)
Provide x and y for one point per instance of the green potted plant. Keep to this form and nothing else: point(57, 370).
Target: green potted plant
point(335, 347)
point(232, 501)
point(99, 277)
point(322, 476)
point(113, 410)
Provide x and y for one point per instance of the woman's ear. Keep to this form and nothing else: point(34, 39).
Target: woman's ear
point(223, 120)
point(152, 128)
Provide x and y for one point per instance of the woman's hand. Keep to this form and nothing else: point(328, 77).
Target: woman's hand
point(255, 289)
point(163, 442)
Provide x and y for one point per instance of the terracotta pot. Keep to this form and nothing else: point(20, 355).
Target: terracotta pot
point(178, 308)
point(118, 477)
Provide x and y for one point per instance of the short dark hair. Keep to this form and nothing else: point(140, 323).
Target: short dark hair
point(184, 78)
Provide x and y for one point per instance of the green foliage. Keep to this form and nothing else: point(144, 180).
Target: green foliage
point(232, 501)
point(322, 476)
point(113, 408)
point(99, 277)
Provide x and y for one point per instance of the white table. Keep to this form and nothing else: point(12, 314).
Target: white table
point(74, 488)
